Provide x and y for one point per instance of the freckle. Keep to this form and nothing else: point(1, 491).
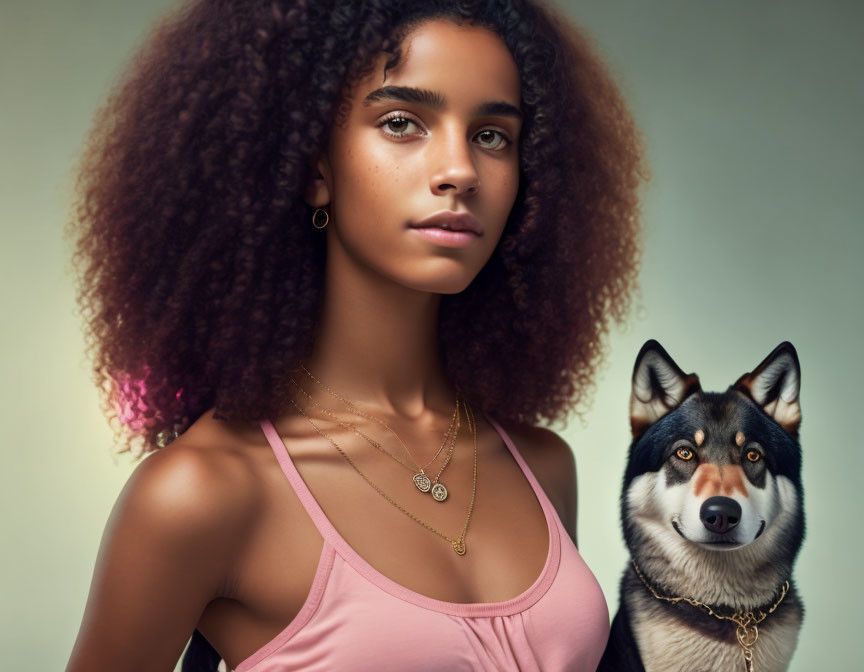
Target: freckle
point(739, 438)
point(699, 437)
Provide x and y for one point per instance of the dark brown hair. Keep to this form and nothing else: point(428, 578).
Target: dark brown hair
point(200, 274)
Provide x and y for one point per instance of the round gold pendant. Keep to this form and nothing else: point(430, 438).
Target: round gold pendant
point(459, 546)
point(439, 492)
point(422, 482)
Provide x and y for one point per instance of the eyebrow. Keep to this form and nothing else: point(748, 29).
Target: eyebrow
point(435, 100)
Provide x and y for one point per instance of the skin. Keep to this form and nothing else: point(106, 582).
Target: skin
point(207, 533)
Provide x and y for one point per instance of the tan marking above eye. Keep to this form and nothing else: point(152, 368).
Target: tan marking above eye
point(699, 437)
point(684, 453)
point(753, 455)
point(740, 438)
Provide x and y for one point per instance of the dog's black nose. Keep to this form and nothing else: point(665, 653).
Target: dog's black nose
point(720, 514)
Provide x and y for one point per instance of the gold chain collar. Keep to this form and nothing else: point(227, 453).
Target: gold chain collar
point(747, 630)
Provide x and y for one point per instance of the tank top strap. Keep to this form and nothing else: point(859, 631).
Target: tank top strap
point(544, 500)
point(307, 499)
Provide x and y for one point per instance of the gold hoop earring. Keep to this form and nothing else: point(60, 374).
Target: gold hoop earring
point(315, 218)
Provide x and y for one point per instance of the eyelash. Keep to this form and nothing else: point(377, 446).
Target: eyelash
point(398, 116)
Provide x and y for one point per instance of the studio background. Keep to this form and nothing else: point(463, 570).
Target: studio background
point(752, 116)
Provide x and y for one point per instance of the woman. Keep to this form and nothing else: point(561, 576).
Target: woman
point(275, 296)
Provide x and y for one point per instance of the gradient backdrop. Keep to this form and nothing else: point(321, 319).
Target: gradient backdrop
point(752, 114)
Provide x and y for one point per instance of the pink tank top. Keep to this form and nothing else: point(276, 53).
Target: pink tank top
point(355, 618)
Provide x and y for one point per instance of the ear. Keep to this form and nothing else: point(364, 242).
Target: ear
point(774, 385)
point(659, 386)
point(319, 185)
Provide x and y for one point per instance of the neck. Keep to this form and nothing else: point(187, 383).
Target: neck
point(766, 607)
point(376, 343)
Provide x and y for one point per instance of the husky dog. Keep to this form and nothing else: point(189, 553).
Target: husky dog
point(712, 511)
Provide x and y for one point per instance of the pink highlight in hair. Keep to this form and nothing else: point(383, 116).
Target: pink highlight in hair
point(129, 403)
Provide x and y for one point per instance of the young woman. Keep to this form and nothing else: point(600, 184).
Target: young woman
point(338, 259)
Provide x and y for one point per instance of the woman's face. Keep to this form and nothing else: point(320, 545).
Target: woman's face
point(439, 135)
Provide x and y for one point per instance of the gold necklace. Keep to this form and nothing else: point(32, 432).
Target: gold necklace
point(420, 479)
point(458, 543)
point(746, 632)
point(353, 428)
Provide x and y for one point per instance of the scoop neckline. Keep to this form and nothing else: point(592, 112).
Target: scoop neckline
point(331, 535)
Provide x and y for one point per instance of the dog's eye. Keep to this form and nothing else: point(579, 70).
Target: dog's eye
point(684, 453)
point(753, 456)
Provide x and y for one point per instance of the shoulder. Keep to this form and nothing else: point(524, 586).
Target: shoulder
point(169, 548)
point(198, 490)
point(551, 460)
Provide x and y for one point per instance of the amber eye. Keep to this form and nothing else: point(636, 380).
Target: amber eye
point(753, 456)
point(684, 453)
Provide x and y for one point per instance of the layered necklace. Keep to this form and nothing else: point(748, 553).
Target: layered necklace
point(420, 479)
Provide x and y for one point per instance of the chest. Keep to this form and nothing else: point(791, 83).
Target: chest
point(667, 646)
point(507, 538)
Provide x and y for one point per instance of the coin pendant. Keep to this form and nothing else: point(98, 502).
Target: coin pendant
point(422, 482)
point(439, 492)
point(459, 546)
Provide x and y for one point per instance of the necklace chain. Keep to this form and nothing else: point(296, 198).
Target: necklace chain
point(746, 631)
point(447, 435)
point(458, 543)
point(420, 479)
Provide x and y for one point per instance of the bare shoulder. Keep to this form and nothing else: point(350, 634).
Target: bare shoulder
point(552, 461)
point(200, 481)
point(199, 491)
point(168, 550)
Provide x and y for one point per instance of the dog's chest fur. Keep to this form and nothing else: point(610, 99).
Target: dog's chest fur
point(683, 638)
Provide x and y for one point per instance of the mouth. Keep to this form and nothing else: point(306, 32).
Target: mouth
point(761, 530)
point(720, 544)
point(450, 221)
point(678, 529)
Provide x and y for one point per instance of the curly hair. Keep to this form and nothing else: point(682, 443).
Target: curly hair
point(199, 274)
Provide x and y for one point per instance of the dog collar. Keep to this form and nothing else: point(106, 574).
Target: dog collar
point(747, 622)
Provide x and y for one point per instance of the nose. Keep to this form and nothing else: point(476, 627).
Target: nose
point(720, 514)
point(454, 166)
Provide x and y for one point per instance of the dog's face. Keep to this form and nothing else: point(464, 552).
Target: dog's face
point(714, 470)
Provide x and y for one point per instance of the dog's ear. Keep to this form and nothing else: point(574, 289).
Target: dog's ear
point(774, 385)
point(659, 386)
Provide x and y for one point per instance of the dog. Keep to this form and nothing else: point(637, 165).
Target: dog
point(712, 514)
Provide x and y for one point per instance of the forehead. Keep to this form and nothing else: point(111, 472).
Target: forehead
point(465, 63)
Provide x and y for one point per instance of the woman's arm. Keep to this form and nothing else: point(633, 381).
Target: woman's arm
point(165, 553)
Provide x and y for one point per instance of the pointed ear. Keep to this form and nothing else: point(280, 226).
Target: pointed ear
point(659, 386)
point(774, 385)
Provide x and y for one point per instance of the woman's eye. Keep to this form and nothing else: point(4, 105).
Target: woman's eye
point(753, 456)
point(685, 453)
point(396, 126)
point(490, 135)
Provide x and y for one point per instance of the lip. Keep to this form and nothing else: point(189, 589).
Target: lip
point(452, 221)
point(713, 543)
point(448, 238)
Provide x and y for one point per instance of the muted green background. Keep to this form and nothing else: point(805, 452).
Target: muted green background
point(752, 115)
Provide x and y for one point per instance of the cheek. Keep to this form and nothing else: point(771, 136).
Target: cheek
point(364, 195)
point(764, 501)
point(365, 180)
point(504, 182)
